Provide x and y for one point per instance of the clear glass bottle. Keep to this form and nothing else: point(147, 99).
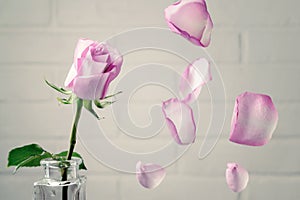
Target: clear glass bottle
point(53, 187)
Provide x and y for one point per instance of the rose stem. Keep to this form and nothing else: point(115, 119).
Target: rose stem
point(79, 103)
point(74, 129)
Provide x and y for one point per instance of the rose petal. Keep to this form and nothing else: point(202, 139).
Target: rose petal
point(81, 50)
point(193, 78)
point(236, 177)
point(90, 67)
point(101, 58)
point(114, 54)
point(70, 77)
point(180, 120)
point(117, 59)
point(190, 19)
point(112, 74)
point(149, 175)
point(206, 36)
point(254, 119)
point(91, 87)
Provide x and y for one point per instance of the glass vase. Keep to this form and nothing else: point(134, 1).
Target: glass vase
point(61, 181)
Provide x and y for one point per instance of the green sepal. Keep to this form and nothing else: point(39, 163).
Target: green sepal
point(98, 104)
point(63, 100)
point(62, 156)
point(59, 89)
point(27, 156)
point(89, 106)
point(102, 104)
point(109, 96)
point(66, 101)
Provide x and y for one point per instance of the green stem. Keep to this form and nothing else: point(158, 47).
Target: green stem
point(74, 128)
point(79, 104)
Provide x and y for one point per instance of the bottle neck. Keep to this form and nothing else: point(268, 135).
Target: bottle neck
point(54, 169)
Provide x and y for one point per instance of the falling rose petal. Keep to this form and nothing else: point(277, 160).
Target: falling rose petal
point(180, 121)
point(149, 175)
point(193, 78)
point(254, 119)
point(190, 19)
point(237, 177)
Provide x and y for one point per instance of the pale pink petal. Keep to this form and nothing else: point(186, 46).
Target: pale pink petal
point(113, 52)
point(193, 78)
point(149, 175)
point(111, 74)
point(70, 77)
point(190, 19)
point(206, 36)
point(91, 87)
point(90, 67)
point(81, 50)
point(236, 177)
point(254, 119)
point(180, 121)
point(101, 58)
point(117, 61)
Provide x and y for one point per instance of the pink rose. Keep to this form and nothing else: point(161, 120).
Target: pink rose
point(95, 66)
point(190, 19)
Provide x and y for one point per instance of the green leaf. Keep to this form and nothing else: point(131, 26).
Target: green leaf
point(89, 106)
point(75, 154)
point(27, 156)
point(59, 89)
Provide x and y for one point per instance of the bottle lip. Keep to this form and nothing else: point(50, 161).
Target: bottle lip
point(57, 163)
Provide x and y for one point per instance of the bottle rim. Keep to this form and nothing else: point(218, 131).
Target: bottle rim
point(58, 163)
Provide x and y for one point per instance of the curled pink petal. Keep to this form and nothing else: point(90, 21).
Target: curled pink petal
point(90, 67)
point(193, 78)
point(237, 177)
point(180, 121)
point(116, 61)
point(254, 119)
point(81, 50)
point(190, 19)
point(149, 175)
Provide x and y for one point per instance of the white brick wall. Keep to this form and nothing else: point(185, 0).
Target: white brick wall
point(245, 14)
point(254, 43)
point(272, 46)
point(25, 13)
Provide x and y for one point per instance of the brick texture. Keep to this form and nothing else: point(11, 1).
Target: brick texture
point(32, 13)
